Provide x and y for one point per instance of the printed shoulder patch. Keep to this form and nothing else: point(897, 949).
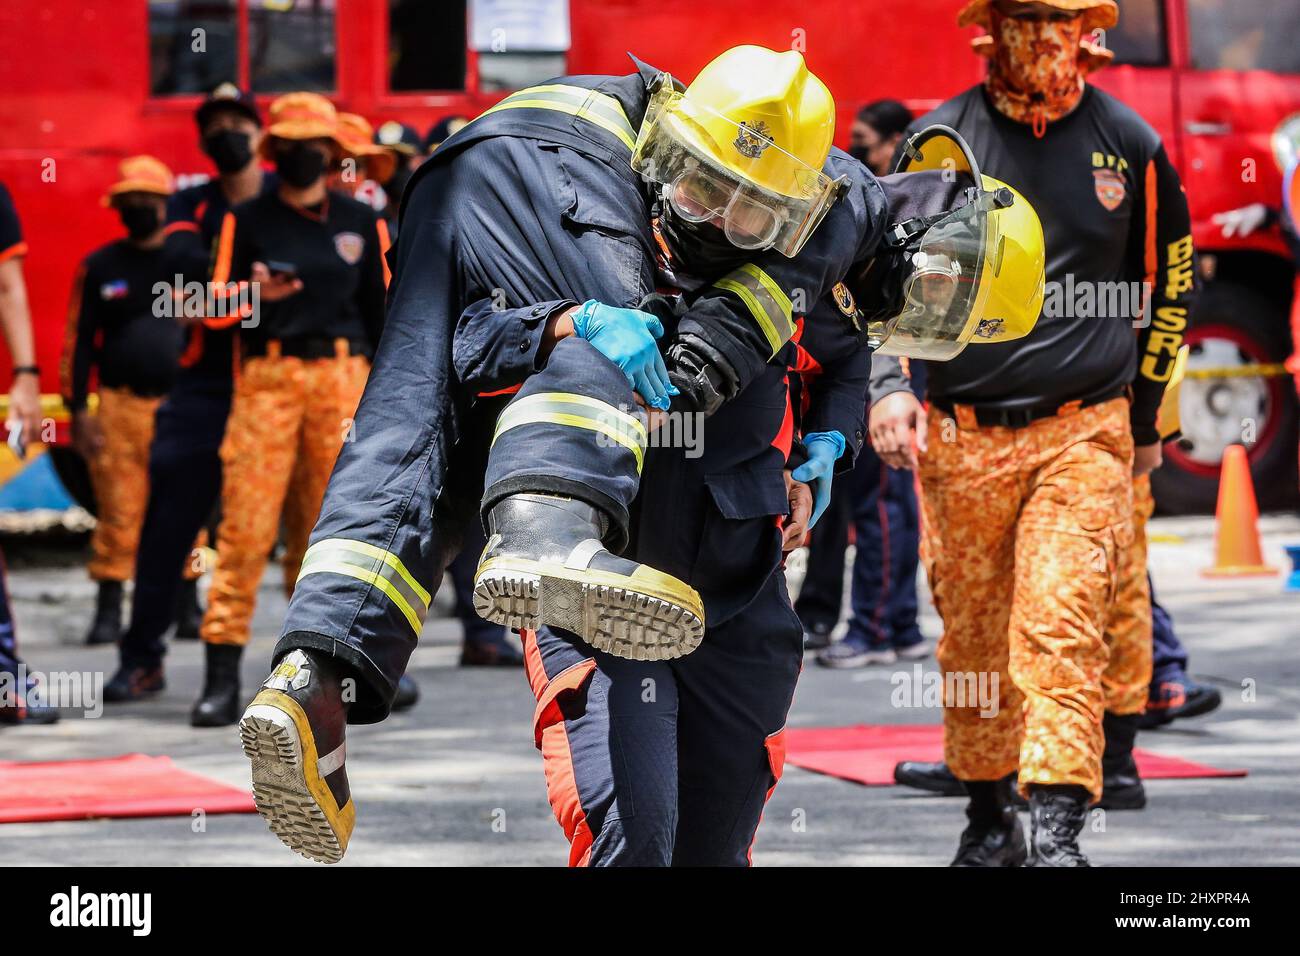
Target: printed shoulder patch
point(349, 246)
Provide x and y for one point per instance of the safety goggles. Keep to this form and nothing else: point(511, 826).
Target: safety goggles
point(674, 150)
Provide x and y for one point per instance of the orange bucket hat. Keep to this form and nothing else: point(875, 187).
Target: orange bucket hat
point(1092, 57)
point(1097, 14)
point(141, 174)
point(356, 136)
point(300, 116)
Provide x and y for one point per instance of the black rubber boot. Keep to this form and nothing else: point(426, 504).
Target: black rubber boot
point(1057, 813)
point(993, 836)
point(134, 683)
point(931, 777)
point(293, 732)
point(408, 693)
point(189, 613)
point(1121, 786)
point(544, 564)
point(106, 628)
point(219, 704)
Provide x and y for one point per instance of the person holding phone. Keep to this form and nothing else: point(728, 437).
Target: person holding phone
point(299, 275)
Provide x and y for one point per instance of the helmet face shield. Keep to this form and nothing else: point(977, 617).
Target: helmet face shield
point(941, 295)
point(766, 198)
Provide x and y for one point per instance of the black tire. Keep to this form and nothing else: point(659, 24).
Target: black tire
point(72, 471)
point(1259, 326)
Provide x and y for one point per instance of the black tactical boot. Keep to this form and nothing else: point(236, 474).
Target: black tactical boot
point(134, 683)
point(219, 704)
point(993, 837)
point(1121, 786)
point(408, 693)
point(189, 613)
point(932, 777)
point(107, 625)
point(1057, 813)
point(293, 733)
point(544, 564)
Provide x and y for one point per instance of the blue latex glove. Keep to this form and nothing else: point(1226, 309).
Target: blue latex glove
point(824, 449)
point(627, 338)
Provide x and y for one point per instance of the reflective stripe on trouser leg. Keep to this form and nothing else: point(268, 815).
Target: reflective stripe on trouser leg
point(120, 476)
point(574, 429)
point(375, 566)
point(1127, 678)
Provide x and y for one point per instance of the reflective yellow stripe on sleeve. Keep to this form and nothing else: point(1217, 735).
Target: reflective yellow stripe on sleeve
point(765, 300)
point(576, 411)
point(375, 566)
point(594, 107)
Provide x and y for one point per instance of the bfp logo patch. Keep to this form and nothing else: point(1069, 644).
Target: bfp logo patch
point(349, 246)
point(1110, 188)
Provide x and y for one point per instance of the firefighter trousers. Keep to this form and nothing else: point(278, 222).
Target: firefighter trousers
point(669, 762)
point(289, 416)
point(120, 476)
point(1026, 528)
point(1127, 677)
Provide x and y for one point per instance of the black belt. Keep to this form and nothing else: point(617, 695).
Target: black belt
point(303, 347)
point(995, 416)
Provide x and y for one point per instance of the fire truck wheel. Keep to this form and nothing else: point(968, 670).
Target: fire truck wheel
point(1233, 330)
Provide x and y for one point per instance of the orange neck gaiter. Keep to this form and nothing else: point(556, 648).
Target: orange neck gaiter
point(1034, 71)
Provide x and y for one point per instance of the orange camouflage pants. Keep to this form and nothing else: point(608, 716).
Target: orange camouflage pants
point(1024, 530)
point(1127, 678)
point(289, 419)
point(120, 476)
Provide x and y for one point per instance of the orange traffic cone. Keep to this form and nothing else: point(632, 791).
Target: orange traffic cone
point(1237, 549)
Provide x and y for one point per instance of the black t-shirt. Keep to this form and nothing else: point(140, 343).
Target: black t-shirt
point(116, 322)
point(210, 352)
point(11, 231)
point(337, 253)
point(1114, 217)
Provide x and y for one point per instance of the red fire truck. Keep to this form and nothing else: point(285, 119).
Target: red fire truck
point(84, 83)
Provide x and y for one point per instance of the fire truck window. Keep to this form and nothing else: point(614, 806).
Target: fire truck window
point(514, 71)
point(1139, 37)
point(291, 45)
point(426, 45)
point(191, 45)
point(1233, 35)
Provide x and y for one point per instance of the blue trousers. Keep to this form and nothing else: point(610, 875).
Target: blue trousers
point(1169, 657)
point(671, 762)
point(881, 503)
point(184, 487)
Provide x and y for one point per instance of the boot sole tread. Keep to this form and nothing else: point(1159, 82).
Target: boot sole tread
point(620, 621)
point(280, 788)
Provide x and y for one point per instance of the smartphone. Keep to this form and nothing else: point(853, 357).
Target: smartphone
point(282, 270)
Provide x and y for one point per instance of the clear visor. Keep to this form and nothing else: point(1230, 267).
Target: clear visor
point(673, 150)
point(943, 295)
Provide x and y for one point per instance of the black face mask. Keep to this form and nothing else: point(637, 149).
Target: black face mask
point(230, 149)
point(860, 153)
point(299, 165)
point(141, 222)
point(700, 248)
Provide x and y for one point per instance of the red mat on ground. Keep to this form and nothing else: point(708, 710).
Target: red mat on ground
point(866, 753)
point(133, 785)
